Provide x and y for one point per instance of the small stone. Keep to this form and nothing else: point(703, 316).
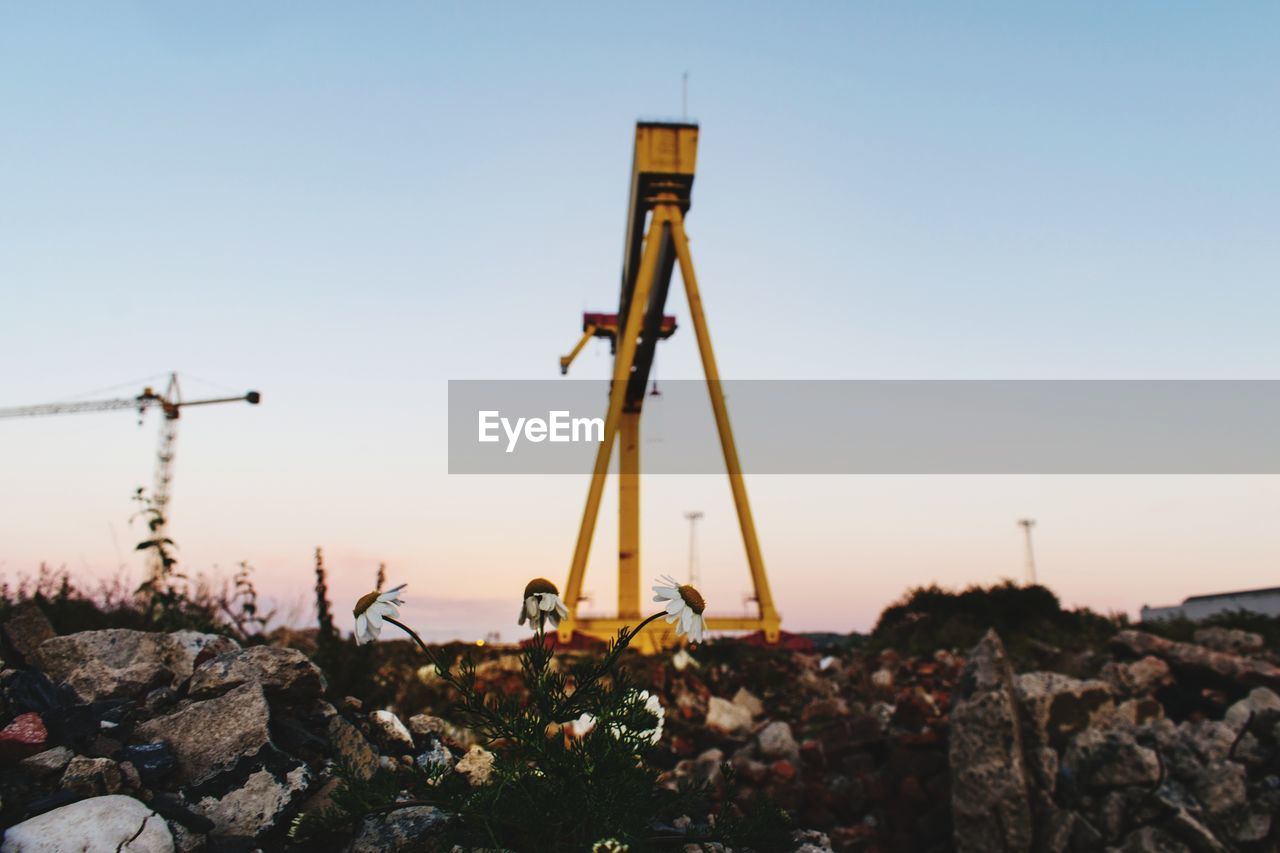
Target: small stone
point(389, 733)
point(413, 829)
point(476, 765)
point(154, 762)
point(114, 822)
point(435, 760)
point(27, 628)
point(726, 717)
point(776, 741)
point(25, 736)
point(92, 777)
point(1222, 788)
point(349, 745)
point(783, 769)
point(746, 699)
point(49, 763)
point(882, 678)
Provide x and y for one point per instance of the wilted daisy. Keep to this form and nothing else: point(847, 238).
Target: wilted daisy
point(542, 603)
point(371, 609)
point(684, 607)
point(654, 706)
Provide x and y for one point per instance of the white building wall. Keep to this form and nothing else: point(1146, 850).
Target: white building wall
point(1266, 603)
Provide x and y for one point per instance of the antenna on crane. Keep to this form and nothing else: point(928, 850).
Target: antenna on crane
point(171, 405)
point(1026, 524)
point(684, 95)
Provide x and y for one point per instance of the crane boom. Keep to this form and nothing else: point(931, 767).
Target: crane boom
point(141, 403)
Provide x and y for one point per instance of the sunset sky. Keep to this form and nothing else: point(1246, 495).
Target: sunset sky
point(345, 206)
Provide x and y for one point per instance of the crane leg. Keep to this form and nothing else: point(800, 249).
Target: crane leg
point(755, 560)
point(617, 392)
point(629, 516)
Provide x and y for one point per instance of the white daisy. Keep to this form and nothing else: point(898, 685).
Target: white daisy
point(580, 727)
point(542, 603)
point(684, 606)
point(370, 611)
point(654, 706)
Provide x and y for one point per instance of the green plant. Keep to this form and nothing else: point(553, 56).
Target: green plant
point(568, 766)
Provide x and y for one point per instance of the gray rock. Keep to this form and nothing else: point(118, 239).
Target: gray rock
point(116, 823)
point(258, 804)
point(776, 741)
point(1230, 640)
point(389, 733)
point(49, 763)
point(437, 759)
point(989, 800)
point(92, 777)
point(27, 629)
point(1056, 706)
point(1137, 678)
point(349, 745)
point(1259, 703)
point(120, 664)
point(422, 725)
point(1199, 662)
point(213, 735)
point(1222, 789)
point(724, 716)
point(1103, 760)
point(413, 829)
point(476, 765)
point(286, 675)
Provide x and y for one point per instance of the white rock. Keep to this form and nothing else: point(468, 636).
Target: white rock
point(102, 823)
point(776, 741)
point(1259, 701)
point(726, 716)
point(748, 700)
point(389, 732)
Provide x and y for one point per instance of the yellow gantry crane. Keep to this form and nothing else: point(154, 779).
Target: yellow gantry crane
point(661, 183)
point(171, 405)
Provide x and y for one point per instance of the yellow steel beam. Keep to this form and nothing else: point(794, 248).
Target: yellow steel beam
point(626, 350)
point(566, 360)
point(764, 597)
point(629, 516)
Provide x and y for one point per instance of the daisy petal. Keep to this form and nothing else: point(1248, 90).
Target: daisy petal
point(675, 606)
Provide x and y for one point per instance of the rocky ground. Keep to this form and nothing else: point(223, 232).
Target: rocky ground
point(126, 740)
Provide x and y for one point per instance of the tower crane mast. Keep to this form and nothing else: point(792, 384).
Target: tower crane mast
point(171, 405)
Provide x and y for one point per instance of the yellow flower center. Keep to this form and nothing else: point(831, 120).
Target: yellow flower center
point(538, 586)
point(365, 601)
point(693, 598)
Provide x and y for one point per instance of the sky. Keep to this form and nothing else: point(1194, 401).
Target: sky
point(345, 206)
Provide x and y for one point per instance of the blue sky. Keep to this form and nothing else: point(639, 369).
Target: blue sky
point(345, 206)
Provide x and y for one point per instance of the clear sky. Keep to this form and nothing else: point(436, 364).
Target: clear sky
point(346, 205)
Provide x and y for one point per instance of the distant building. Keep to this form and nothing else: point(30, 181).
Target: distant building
point(1264, 601)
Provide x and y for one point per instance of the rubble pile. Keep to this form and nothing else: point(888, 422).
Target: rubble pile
point(186, 741)
point(129, 740)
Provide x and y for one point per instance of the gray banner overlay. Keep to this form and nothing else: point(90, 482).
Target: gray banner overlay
point(881, 427)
